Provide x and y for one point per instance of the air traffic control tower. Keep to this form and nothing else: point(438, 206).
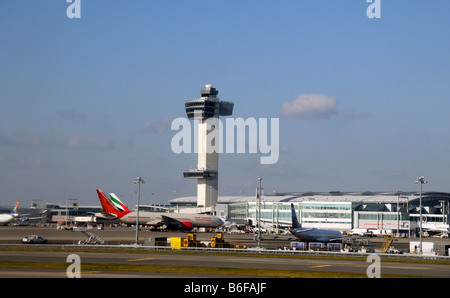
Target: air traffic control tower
point(205, 110)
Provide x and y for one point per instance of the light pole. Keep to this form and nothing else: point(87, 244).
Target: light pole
point(421, 180)
point(444, 222)
point(138, 181)
point(67, 209)
point(259, 214)
point(398, 219)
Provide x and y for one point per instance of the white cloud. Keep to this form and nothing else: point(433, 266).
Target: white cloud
point(159, 126)
point(72, 115)
point(89, 142)
point(23, 162)
point(26, 139)
point(31, 139)
point(310, 106)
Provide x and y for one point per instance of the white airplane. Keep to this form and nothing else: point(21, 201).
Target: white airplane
point(6, 218)
point(435, 227)
point(114, 209)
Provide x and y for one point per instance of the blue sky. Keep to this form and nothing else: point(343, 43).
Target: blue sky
point(87, 103)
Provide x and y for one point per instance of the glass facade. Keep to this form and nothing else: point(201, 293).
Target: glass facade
point(342, 211)
point(279, 213)
point(326, 214)
point(382, 215)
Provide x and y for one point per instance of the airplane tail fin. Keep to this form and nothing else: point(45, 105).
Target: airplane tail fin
point(117, 203)
point(112, 205)
point(14, 211)
point(295, 223)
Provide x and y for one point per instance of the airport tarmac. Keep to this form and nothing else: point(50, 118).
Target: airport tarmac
point(127, 235)
point(222, 261)
point(114, 236)
point(124, 235)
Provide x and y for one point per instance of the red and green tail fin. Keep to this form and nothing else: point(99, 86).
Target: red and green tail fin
point(112, 205)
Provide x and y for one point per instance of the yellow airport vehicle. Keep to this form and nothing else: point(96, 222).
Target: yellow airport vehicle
point(219, 242)
point(191, 241)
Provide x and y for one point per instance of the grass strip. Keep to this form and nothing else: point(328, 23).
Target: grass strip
point(251, 272)
point(240, 254)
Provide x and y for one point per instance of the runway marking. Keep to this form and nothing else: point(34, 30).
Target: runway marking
point(320, 266)
point(137, 260)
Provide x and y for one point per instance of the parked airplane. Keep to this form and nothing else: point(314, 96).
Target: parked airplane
point(8, 217)
point(312, 234)
point(432, 227)
point(20, 219)
point(436, 229)
point(114, 209)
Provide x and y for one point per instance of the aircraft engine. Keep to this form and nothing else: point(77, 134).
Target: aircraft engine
point(186, 225)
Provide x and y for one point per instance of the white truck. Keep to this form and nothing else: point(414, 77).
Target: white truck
point(361, 232)
point(428, 248)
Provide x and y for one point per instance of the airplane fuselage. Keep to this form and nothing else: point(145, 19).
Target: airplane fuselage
point(5, 218)
point(435, 227)
point(155, 218)
point(316, 235)
point(312, 234)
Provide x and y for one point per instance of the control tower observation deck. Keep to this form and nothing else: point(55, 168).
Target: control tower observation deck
point(205, 109)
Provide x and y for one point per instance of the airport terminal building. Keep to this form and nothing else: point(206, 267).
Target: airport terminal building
point(343, 211)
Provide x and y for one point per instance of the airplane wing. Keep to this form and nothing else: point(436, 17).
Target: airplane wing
point(167, 220)
point(105, 215)
point(303, 230)
point(30, 218)
point(291, 236)
point(174, 223)
point(286, 237)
